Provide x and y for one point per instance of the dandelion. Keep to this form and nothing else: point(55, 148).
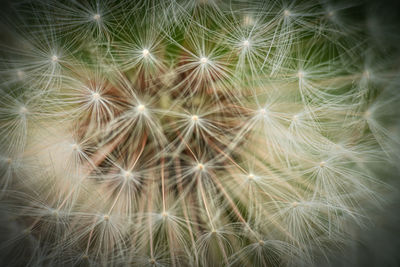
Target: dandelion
point(193, 133)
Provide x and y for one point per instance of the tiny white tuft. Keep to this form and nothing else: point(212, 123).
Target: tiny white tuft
point(204, 60)
point(141, 108)
point(145, 52)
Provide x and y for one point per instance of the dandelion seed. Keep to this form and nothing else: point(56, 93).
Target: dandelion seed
point(96, 17)
point(96, 96)
point(204, 60)
point(246, 43)
point(366, 74)
point(141, 108)
point(322, 164)
point(248, 20)
point(200, 167)
point(263, 112)
point(145, 52)
point(23, 110)
point(126, 174)
point(54, 58)
point(287, 13)
point(75, 147)
point(195, 118)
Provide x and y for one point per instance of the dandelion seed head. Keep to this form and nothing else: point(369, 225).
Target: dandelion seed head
point(106, 217)
point(54, 58)
point(322, 164)
point(295, 204)
point(261, 243)
point(300, 74)
point(127, 174)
